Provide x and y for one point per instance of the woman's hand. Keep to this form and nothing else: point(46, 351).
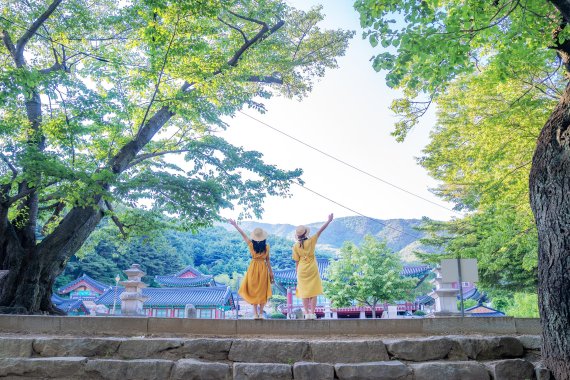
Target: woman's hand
point(271, 278)
point(331, 216)
point(232, 222)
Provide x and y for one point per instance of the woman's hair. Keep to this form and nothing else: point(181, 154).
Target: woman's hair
point(259, 246)
point(301, 239)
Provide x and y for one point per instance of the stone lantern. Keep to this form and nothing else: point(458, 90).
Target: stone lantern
point(132, 298)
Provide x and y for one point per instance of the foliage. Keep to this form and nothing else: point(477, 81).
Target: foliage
point(419, 313)
point(275, 301)
point(278, 316)
point(519, 304)
point(428, 44)
point(368, 274)
point(213, 250)
point(467, 304)
point(130, 97)
point(494, 76)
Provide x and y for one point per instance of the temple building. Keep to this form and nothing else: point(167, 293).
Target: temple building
point(187, 293)
point(286, 283)
point(187, 277)
point(212, 302)
point(83, 288)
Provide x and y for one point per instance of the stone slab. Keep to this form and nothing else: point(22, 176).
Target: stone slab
point(114, 326)
point(450, 371)
point(420, 350)
point(269, 351)
point(147, 348)
point(473, 325)
point(490, 348)
point(45, 368)
point(262, 371)
point(187, 326)
point(528, 326)
point(30, 324)
point(192, 369)
point(512, 369)
point(385, 370)
point(88, 347)
point(313, 371)
point(16, 347)
point(531, 342)
point(316, 327)
point(348, 351)
point(209, 349)
point(142, 369)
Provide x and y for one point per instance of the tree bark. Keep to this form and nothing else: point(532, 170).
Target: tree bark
point(549, 183)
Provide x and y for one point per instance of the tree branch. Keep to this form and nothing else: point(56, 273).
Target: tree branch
point(9, 44)
point(138, 159)
point(116, 220)
point(265, 79)
point(12, 167)
point(21, 44)
point(234, 28)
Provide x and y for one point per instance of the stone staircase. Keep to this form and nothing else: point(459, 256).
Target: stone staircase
point(465, 357)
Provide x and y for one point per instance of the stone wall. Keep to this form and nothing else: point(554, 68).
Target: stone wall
point(452, 357)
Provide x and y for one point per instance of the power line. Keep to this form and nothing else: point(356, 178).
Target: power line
point(349, 164)
point(356, 212)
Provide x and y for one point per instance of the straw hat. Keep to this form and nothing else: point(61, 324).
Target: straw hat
point(302, 230)
point(258, 234)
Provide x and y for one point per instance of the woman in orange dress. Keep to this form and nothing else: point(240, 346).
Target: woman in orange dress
point(256, 286)
point(309, 284)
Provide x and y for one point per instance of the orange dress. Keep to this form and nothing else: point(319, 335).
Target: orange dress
point(308, 278)
point(256, 286)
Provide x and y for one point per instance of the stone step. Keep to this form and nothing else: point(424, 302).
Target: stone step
point(159, 369)
point(458, 348)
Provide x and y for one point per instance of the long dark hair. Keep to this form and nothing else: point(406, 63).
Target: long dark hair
point(301, 239)
point(259, 246)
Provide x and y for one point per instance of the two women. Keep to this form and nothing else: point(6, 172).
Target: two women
point(256, 286)
point(309, 284)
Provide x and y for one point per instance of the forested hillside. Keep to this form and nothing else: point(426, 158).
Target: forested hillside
point(221, 250)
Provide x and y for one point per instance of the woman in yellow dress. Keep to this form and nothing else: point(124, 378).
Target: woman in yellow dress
point(256, 286)
point(309, 284)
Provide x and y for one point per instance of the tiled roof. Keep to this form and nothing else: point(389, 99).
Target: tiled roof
point(288, 275)
point(474, 294)
point(207, 296)
point(190, 269)
point(99, 286)
point(425, 300)
point(67, 305)
point(484, 311)
point(171, 281)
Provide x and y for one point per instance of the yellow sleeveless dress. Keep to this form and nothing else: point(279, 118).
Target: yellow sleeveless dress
point(256, 286)
point(308, 279)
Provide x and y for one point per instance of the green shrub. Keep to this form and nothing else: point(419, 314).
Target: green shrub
point(278, 316)
point(419, 313)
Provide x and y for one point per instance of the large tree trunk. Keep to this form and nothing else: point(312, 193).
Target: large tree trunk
point(33, 268)
point(550, 201)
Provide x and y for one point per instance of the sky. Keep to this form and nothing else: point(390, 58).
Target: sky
point(347, 116)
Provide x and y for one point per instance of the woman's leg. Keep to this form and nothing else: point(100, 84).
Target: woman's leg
point(254, 310)
point(306, 305)
point(261, 306)
point(313, 305)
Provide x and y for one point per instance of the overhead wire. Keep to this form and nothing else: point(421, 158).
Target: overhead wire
point(357, 212)
point(283, 133)
point(349, 164)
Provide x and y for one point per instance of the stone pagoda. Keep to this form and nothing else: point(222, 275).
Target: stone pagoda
point(132, 298)
point(445, 296)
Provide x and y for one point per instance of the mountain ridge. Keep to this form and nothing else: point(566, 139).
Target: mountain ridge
point(401, 235)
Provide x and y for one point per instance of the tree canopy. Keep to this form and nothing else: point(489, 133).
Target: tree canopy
point(98, 98)
point(368, 274)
